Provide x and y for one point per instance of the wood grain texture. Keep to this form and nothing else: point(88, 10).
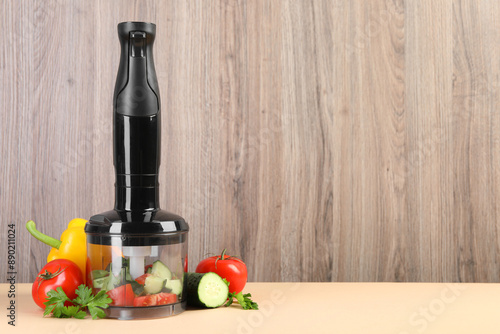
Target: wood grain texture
point(319, 140)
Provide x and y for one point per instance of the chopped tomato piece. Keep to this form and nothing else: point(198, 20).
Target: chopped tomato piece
point(141, 301)
point(122, 295)
point(142, 279)
point(165, 298)
point(162, 298)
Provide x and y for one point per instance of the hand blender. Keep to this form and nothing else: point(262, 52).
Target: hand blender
point(137, 252)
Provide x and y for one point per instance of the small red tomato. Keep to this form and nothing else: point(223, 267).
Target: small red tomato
point(228, 267)
point(58, 273)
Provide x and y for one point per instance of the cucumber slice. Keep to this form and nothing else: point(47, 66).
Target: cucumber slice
point(174, 286)
point(98, 283)
point(111, 282)
point(206, 290)
point(99, 273)
point(161, 270)
point(153, 284)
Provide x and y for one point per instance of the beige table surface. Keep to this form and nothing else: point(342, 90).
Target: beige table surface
point(389, 308)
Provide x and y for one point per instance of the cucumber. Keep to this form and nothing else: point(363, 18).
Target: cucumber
point(153, 284)
point(111, 282)
point(98, 283)
point(174, 286)
point(99, 273)
point(161, 270)
point(206, 290)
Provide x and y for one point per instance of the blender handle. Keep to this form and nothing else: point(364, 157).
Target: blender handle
point(136, 119)
point(136, 90)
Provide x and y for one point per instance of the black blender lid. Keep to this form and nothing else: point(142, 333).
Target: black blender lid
point(154, 227)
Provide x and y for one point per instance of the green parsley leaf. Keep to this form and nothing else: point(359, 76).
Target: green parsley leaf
point(49, 309)
point(95, 304)
point(84, 295)
point(73, 311)
point(248, 304)
point(229, 299)
point(243, 299)
point(100, 300)
point(96, 312)
point(55, 303)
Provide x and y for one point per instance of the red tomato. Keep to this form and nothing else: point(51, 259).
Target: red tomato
point(122, 295)
point(58, 273)
point(162, 298)
point(142, 279)
point(228, 267)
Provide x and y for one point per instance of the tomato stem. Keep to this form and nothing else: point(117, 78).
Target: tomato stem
point(223, 254)
point(47, 275)
point(220, 258)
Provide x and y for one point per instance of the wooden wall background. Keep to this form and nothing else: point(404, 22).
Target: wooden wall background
point(319, 140)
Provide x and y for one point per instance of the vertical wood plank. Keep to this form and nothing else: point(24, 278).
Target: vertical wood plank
point(370, 127)
point(307, 133)
point(475, 101)
point(429, 115)
point(265, 141)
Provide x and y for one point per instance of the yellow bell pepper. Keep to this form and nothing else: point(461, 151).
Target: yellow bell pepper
point(72, 246)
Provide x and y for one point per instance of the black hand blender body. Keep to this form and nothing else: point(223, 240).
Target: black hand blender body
point(137, 252)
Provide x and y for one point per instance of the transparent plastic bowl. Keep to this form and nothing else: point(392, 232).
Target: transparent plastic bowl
point(142, 274)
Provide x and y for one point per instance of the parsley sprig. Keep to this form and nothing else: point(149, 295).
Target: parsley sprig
point(85, 299)
point(243, 299)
